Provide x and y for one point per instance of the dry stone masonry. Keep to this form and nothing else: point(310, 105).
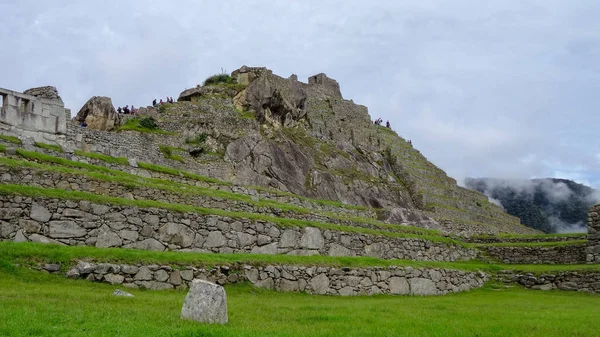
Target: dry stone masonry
point(593, 248)
point(567, 254)
point(84, 223)
point(393, 280)
point(566, 280)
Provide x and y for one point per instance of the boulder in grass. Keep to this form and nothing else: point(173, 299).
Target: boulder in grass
point(205, 302)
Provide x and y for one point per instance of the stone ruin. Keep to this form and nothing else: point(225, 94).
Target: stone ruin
point(37, 113)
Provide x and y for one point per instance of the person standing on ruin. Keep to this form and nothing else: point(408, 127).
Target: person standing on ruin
point(387, 125)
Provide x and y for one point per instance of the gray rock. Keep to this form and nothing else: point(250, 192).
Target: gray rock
point(422, 287)
point(73, 273)
point(51, 267)
point(108, 239)
point(122, 293)
point(270, 249)
point(99, 114)
point(205, 302)
point(39, 213)
point(161, 275)
point(288, 286)
point(347, 291)
point(320, 284)
point(30, 226)
point(312, 238)
point(132, 162)
point(114, 278)
point(187, 274)
point(85, 267)
point(399, 286)
point(143, 274)
point(99, 209)
point(6, 229)
point(115, 217)
point(153, 285)
point(289, 239)
point(337, 250)
point(252, 275)
point(20, 237)
point(214, 240)
point(178, 234)
point(148, 244)
point(547, 286)
point(66, 229)
point(42, 239)
point(246, 240)
point(129, 235)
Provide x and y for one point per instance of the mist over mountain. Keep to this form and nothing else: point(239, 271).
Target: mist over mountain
point(550, 205)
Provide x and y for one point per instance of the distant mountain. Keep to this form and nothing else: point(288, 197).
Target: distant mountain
point(550, 205)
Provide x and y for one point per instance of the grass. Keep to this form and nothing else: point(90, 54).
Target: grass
point(103, 157)
point(167, 151)
point(134, 124)
point(11, 139)
point(218, 79)
point(38, 304)
point(530, 236)
point(50, 147)
point(32, 191)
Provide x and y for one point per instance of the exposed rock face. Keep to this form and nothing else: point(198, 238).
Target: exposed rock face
point(410, 216)
point(47, 92)
point(274, 99)
point(99, 114)
point(206, 302)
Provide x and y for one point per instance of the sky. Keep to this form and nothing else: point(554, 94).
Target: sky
point(495, 88)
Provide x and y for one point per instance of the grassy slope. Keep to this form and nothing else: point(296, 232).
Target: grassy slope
point(38, 304)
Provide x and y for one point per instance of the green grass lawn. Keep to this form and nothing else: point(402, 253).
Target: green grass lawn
point(37, 304)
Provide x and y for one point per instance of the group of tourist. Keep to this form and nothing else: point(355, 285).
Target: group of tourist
point(169, 100)
point(378, 121)
point(126, 110)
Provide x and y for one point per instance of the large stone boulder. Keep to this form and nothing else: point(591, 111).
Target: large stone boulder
point(274, 99)
point(99, 114)
point(205, 302)
point(47, 92)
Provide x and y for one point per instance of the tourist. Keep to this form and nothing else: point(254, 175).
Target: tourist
point(132, 110)
point(154, 103)
point(161, 102)
point(119, 110)
point(126, 110)
point(387, 124)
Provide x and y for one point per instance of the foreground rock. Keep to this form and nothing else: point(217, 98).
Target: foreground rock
point(206, 302)
point(99, 114)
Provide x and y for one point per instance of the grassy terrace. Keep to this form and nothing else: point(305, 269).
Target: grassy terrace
point(127, 179)
point(38, 304)
point(31, 191)
point(26, 253)
point(164, 170)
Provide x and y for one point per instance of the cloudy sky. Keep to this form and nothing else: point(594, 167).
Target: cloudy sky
point(496, 88)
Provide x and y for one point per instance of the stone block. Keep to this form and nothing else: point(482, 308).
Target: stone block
point(205, 302)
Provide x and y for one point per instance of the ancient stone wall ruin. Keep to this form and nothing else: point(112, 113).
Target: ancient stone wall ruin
point(593, 248)
point(588, 281)
point(28, 116)
point(561, 254)
point(288, 278)
point(84, 223)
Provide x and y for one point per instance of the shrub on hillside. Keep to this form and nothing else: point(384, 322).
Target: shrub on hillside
point(148, 123)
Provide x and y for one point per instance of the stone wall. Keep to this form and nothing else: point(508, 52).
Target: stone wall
point(565, 280)
point(27, 116)
point(568, 254)
point(85, 223)
point(287, 278)
point(532, 239)
point(593, 248)
point(74, 182)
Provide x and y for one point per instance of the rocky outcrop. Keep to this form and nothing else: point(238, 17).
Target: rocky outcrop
point(99, 114)
point(205, 302)
point(276, 100)
point(47, 92)
point(409, 216)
